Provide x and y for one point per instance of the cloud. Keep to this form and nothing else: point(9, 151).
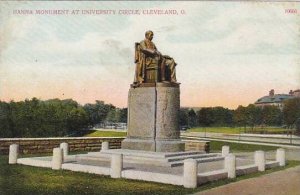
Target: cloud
point(226, 47)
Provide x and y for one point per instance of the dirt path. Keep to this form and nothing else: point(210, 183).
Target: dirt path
point(286, 182)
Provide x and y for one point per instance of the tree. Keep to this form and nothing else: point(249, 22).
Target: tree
point(291, 111)
point(183, 117)
point(192, 118)
point(271, 115)
point(112, 116)
point(123, 115)
point(253, 115)
point(97, 113)
point(222, 116)
point(205, 117)
point(298, 126)
point(77, 120)
point(5, 120)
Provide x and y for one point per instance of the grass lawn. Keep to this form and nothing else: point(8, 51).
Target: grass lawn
point(236, 147)
point(236, 130)
point(20, 179)
point(106, 134)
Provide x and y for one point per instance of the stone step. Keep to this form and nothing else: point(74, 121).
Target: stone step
point(151, 158)
point(194, 156)
point(211, 176)
point(183, 153)
point(127, 157)
point(155, 162)
point(199, 160)
point(272, 164)
point(138, 153)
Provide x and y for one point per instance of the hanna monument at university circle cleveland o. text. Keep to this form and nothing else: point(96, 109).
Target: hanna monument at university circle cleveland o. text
point(153, 101)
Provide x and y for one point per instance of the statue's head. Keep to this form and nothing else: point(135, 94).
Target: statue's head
point(149, 35)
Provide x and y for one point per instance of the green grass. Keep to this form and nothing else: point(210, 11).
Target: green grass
point(106, 134)
point(237, 130)
point(236, 147)
point(20, 179)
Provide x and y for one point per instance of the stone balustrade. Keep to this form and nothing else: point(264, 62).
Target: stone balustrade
point(46, 145)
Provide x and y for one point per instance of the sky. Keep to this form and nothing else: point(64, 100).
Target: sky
point(228, 53)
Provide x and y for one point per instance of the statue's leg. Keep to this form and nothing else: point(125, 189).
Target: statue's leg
point(163, 70)
point(138, 78)
point(136, 74)
point(171, 64)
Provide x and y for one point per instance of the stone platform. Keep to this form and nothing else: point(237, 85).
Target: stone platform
point(206, 167)
point(164, 159)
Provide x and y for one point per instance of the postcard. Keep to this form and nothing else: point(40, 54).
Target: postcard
point(203, 54)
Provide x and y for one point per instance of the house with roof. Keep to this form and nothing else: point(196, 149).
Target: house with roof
point(276, 99)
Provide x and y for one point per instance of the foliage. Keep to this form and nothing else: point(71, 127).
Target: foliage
point(205, 117)
point(249, 116)
point(271, 115)
point(98, 112)
point(192, 118)
point(298, 125)
point(239, 116)
point(35, 118)
point(183, 117)
point(106, 133)
point(215, 116)
point(291, 111)
point(253, 115)
point(5, 120)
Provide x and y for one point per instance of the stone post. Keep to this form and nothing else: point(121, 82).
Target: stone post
point(260, 160)
point(104, 146)
point(65, 147)
point(116, 165)
point(280, 156)
point(13, 153)
point(190, 172)
point(230, 165)
point(225, 150)
point(57, 158)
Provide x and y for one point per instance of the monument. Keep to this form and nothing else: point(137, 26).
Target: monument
point(153, 102)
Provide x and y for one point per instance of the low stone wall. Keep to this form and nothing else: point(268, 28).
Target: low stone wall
point(197, 146)
point(46, 145)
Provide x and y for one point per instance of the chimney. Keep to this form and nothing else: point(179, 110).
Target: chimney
point(271, 93)
point(291, 92)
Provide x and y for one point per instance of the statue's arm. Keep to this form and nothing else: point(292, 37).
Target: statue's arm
point(147, 51)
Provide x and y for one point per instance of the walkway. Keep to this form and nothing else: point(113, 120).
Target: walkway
point(284, 182)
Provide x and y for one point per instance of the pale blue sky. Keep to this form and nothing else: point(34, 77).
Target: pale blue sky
point(228, 53)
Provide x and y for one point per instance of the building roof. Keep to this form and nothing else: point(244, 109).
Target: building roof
point(277, 98)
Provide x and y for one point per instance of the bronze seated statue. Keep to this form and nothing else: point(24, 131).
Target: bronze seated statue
point(151, 65)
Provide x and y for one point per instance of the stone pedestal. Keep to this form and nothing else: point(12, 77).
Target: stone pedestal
point(153, 118)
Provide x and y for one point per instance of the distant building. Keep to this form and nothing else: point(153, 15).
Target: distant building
point(276, 99)
point(295, 93)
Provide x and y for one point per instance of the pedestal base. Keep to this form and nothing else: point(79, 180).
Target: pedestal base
point(153, 118)
point(153, 145)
